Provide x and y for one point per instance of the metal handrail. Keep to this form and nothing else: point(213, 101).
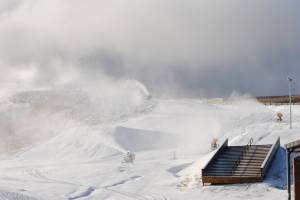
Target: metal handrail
point(249, 144)
point(220, 148)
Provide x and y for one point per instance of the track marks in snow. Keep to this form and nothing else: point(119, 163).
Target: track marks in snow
point(131, 195)
point(156, 197)
point(37, 174)
point(85, 193)
point(133, 178)
point(137, 196)
point(5, 195)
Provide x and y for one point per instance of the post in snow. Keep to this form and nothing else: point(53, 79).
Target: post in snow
point(290, 96)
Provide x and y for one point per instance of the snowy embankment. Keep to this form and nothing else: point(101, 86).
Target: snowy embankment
point(69, 145)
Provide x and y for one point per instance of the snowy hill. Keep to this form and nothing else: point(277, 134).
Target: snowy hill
point(69, 145)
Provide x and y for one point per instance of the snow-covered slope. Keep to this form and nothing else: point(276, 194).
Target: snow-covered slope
point(69, 144)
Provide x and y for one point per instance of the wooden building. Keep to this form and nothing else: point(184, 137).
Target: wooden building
point(293, 148)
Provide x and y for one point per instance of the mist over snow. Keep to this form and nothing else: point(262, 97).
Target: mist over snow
point(33, 115)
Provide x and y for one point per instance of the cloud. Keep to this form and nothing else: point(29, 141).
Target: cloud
point(184, 47)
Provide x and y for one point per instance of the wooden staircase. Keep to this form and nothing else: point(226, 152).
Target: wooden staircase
point(239, 164)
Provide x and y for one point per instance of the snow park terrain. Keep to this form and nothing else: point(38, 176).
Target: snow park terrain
point(69, 144)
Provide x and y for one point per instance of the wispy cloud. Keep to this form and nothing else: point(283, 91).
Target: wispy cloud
point(173, 46)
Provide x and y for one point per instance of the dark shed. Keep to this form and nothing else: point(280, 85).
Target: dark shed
point(293, 148)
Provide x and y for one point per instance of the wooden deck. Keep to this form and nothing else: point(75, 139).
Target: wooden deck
point(239, 164)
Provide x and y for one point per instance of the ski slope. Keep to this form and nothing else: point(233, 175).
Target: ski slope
point(69, 144)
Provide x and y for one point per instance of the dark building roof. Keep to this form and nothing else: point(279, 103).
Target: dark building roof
point(293, 146)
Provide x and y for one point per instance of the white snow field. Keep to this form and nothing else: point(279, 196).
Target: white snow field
point(69, 144)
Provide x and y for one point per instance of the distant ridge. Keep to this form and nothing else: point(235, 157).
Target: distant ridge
point(270, 100)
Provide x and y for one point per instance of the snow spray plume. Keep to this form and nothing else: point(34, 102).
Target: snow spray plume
point(168, 45)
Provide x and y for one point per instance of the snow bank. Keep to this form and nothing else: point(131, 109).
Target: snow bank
point(196, 123)
point(76, 138)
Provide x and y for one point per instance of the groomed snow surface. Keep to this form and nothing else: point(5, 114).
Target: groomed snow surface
point(70, 145)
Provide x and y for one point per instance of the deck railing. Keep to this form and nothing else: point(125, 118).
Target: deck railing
point(221, 147)
point(270, 156)
point(243, 153)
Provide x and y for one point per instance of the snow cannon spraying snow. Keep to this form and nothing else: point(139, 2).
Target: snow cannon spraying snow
point(214, 144)
point(129, 157)
point(279, 116)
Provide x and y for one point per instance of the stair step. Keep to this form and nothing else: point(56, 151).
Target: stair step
point(231, 166)
point(244, 159)
point(235, 172)
point(233, 175)
point(247, 156)
point(239, 155)
point(230, 169)
point(244, 156)
point(236, 169)
point(247, 173)
point(247, 151)
point(261, 146)
point(252, 146)
point(257, 167)
point(257, 151)
point(233, 160)
point(230, 173)
point(227, 162)
point(263, 154)
point(253, 158)
point(244, 147)
point(250, 164)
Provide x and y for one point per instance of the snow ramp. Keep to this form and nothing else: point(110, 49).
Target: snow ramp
point(143, 140)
